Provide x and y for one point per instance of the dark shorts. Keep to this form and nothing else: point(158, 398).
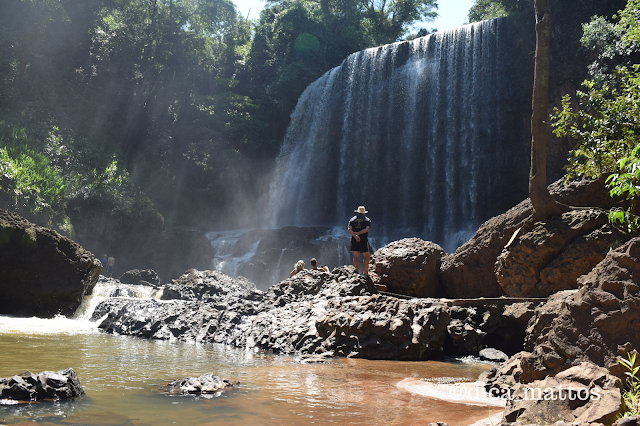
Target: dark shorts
point(362, 246)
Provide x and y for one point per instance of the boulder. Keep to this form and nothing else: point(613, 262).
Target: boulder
point(329, 314)
point(140, 276)
point(42, 273)
point(209, 285)
point(519, 266)
point(469, 272)
point(582, 394)
point(49, 385)
point(205, 384)
point(409, 266)
point(493, 355)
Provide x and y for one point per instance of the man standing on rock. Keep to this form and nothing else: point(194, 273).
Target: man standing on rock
point(359, 227)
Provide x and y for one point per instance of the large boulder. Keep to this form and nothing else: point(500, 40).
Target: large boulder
point(469, 272)
point(50, 385)
point(409, 266)
point(519, 266)
point(42, 273)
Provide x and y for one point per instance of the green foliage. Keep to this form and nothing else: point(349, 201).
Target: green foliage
point(607, 130)
point(614, 44)
point(631, 393)
point(605, 121)
point(490, 9)
point(28, 182)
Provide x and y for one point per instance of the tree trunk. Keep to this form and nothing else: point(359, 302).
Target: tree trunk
point(543, 204)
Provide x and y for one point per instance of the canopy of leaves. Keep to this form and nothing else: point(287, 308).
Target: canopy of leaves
point(489, 9)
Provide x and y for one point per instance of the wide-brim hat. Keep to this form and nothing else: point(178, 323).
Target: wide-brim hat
point(361, 210)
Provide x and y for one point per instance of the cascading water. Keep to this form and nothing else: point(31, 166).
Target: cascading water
point(420, 132)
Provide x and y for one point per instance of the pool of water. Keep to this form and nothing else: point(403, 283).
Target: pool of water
point(122, 379)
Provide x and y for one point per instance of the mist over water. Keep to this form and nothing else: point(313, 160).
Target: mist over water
point(419, 132)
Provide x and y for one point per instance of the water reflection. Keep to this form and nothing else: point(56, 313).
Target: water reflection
point(122, 377)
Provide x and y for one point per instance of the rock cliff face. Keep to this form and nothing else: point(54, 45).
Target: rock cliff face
point(541, 260)
point(594, 324)
point(42, 273)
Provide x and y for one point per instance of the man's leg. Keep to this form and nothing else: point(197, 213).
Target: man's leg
point(366, 263)
point(356, 261)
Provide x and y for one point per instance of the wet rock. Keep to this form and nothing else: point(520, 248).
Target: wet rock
point(409, 266)
point(469, 272)
point(335, 313)
point(42, 273)
point(585, 393)
point(140, 276)
point(49, 385)
point(463, 338)
point(205, 384)
point(494, 355)
point(277, 250)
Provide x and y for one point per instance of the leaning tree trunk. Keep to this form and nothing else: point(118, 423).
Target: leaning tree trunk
point(543, 205)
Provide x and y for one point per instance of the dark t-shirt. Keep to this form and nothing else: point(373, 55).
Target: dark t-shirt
point(358, 223)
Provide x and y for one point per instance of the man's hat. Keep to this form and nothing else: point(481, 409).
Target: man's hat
point(361, 210)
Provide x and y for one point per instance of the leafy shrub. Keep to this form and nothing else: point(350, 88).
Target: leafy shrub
point(631, 392)
point(29, 184)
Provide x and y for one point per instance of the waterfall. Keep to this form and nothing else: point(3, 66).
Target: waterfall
point(420, 132)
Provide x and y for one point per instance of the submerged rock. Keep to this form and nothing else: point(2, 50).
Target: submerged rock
point(42, 273)
point(27, 386)
point(205, 384)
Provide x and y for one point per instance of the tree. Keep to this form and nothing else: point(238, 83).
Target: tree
point(489, 9)
point(543, 204)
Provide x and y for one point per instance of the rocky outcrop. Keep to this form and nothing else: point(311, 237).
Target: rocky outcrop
point(519, 266)
point(582, 394)
point(209, 286)
point(410, 266)
point(336, 313)
point(50, 385)
point(205, 384)
point(42, 273)
point(140, 276)
point(595, 324)
point(470, 271)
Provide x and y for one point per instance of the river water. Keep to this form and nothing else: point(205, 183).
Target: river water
point(122, 378)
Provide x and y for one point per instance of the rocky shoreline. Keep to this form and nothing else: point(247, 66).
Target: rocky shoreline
point(559, 298)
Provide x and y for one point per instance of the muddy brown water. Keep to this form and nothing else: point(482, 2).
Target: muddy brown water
point(122, 376)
